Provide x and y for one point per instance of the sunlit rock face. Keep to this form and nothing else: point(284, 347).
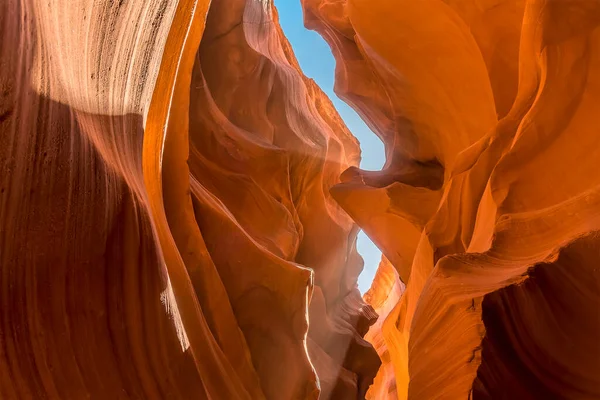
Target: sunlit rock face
point(166, 224)
point(179, 204)
point(488, 207)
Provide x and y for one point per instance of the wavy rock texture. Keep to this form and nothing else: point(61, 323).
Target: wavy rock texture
point(172, 196)
point(166, 227)
point(383, 295)
point(488, 206)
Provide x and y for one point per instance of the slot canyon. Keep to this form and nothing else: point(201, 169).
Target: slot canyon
point(179, 203)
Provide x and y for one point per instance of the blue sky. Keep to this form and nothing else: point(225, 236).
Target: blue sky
point(317, 62)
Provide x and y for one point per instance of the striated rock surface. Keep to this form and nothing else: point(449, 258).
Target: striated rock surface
point(166, 226)
point(383, 295)
point(488, 206)
point(179, 204)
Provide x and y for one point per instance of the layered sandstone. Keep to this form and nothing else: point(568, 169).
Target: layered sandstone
point(489, 204)
point(179, 204)
point(166, 224)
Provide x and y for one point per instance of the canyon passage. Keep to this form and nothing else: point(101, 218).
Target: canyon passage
point(179, 203)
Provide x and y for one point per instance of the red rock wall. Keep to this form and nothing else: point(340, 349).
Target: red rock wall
point(166, 224)
point(488, 204)
point(179, 204)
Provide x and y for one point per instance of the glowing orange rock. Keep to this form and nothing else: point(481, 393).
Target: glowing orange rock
point(172, 196)
point(489, 197)
point(383, 295)
point(166, 227)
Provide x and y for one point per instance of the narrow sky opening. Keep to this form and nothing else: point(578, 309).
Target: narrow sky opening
point(317, 62)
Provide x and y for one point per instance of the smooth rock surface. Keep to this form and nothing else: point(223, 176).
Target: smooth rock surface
point(179, 204)
point(487, 207)
point(166, 224)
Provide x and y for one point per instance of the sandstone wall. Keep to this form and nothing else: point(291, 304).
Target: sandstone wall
point(488, 204)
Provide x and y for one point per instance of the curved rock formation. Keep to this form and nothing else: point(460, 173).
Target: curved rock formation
point(488, 204)
point(166, 224)
point(179, 204)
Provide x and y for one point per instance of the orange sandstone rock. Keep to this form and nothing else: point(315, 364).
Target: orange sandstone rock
point(489, 195)
point(166, 224)
point(179, 204)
